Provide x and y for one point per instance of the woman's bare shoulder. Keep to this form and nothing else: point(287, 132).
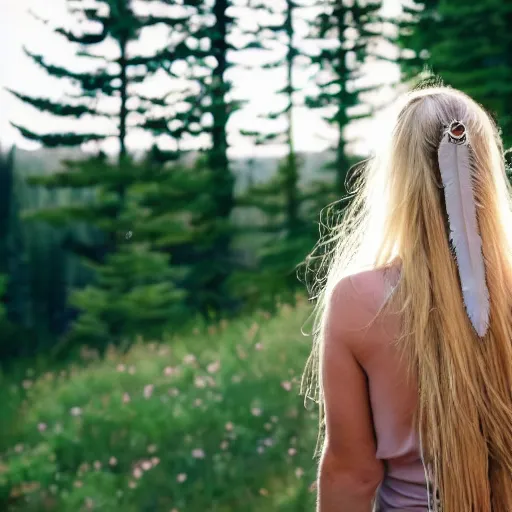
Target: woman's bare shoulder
point(356, 301)
point(367, 289)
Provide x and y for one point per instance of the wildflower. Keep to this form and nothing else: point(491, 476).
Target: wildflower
point(213, 367)
point(78, 484)
point(75, 411)
point(131, 370)
point(197, 402)
point(18, 448)
point(126, 398)
point(274, 419)
point(132, 484)
point(152, 448)
point(155, 461)
point(121, 367)
point(181, 478)
point(268, 442)
point(286, 385)
point(84, 467)
point(173, 392)
point(148, 390)
point(264, 492)
point(112, 461)
point(189, 359)
point(200, 382)
point(168, 371)
point(260, 449)
point(224, 445)
point(229, 426)
point(292, 452)
point(256, 411)
point(258, 346)
point(97, 465)
point(41, 427)
point(146, 465)
point(268, 426)
point(137, 473)
point(27, 384)
point(198, 453)
point(299, 472)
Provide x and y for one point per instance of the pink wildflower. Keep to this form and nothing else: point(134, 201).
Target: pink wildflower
point(286, 385)
point(198, 453)
point(148, 390)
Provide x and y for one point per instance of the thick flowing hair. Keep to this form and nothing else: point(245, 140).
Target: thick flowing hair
point(397, 213)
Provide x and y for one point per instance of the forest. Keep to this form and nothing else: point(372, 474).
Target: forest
point(153, 300)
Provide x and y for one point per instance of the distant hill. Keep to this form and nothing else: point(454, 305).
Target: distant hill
point(246, 170)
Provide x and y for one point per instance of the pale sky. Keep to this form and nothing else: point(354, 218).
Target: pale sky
point(18, 28)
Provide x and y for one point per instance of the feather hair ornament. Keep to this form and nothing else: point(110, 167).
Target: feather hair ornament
point(455, 166)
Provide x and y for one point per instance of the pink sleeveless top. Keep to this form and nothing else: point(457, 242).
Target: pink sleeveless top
point(392, 397)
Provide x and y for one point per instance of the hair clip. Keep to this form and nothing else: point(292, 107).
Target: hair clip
point(457, 132)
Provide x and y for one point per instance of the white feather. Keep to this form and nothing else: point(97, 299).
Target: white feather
point(455, 167)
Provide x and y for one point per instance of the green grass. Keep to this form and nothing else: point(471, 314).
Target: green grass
point(209, 422)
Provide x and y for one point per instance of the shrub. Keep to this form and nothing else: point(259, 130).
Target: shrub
point(213, 422)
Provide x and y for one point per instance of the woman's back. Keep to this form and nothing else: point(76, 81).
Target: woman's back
point(392, 395)
point(436, 199)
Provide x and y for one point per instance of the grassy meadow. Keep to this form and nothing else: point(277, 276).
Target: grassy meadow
point(212, 421)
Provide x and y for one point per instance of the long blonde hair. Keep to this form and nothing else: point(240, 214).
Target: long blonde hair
point(464, 412)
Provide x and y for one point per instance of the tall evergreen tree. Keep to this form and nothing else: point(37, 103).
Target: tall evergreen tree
point(217, 254)
point(469, 45)
point(113, 209)
point(210, 106)
point(346, 32)
point(289, 235)
point(11, 243)
point(418, 29)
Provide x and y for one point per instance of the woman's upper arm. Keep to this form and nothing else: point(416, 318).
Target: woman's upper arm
point(350, 440)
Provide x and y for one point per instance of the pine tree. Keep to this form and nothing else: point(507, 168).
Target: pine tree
point(469, 45)
point(347, 32)
point(135, 291)
point(288, 233)
point(14, 300)
point(217, 107)
point(12, 243)
point(209, 108)
point(418, 30)
point(114, 209)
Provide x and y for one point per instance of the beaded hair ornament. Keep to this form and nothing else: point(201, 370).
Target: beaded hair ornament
point(455, 164)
